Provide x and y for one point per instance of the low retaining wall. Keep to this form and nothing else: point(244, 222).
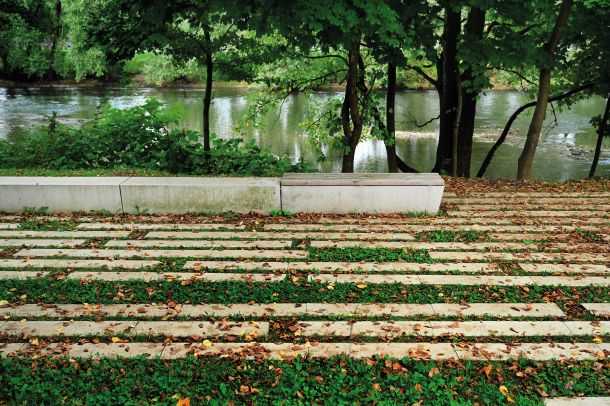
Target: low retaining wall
point(321, 193)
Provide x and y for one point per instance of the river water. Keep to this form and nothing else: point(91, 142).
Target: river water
point(565, 150)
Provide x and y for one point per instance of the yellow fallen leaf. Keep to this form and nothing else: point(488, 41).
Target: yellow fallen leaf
point(3, 303)
point(207, 343)
point(183, 402)
point(503, 390)
point(361, 286)
point(116, 340)
point(597, 340)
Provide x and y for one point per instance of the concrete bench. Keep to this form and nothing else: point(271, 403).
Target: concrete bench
point(183, 195)
point(361, 192)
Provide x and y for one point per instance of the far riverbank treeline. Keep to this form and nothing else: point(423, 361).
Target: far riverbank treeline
point(555, 50)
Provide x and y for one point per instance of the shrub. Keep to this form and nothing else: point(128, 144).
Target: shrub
point(138, 138)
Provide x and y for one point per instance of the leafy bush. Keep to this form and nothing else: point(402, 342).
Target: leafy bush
point(138, 137)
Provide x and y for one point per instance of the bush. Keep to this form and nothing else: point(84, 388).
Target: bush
point(138, 138)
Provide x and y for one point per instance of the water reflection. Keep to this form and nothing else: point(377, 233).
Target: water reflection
point(565, 150)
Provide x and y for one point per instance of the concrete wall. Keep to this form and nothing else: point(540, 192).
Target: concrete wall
point(316, 193)
point(184, 195)
point(60, 194)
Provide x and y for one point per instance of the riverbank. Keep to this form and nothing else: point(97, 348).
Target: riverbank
point(139, 83)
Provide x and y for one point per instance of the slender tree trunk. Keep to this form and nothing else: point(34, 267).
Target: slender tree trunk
point(390, 140)
point(207, 99)
point(524, 169)
point(456, 126)
point(514, 116)
point(601, 131)
point(350, 113)
point(474, 32)
point(54, 39)
point(449, 98)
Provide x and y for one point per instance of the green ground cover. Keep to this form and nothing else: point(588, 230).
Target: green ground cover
point(337, 380)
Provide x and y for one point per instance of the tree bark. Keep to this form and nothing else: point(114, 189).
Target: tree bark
point(474, 29)
point(514, 116)
point(350, 113)
point(601, 131)
point(449, 97)
point(207, 99)
point(54, 39)
point(524, 169)
point(390, 139)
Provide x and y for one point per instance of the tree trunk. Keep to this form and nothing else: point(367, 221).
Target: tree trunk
point(390, 139)
point(449, 97)
point(524, 169)
point(207, 99)
point(456, 126)
point(350, 114)
point(601, 131)
point(54, 40)
point(474, 31)
point(513, 117)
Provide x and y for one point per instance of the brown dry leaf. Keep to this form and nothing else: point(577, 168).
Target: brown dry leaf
point(433, 371)
point(487, 369)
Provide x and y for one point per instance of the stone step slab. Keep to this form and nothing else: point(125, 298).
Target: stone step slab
point(341, 267)
point(394, 329)
point(418, 351)
point(532, 351)
point(159, 226)
point(263, 244)
point(528, 201)
point(139, 311)
point(110, 276)
point(569, 268)
point(40, 243)
point(223, 235)
point(598, 309)
point(22, 275)
point(253, 329)
point(77, 263)
point(9, 226)
point(66, 328)
point(63, 234)
point(528, 213)
point(477, 246)
point(577, 401)
point(498, 309)
point(516, 256)
point(162, 253)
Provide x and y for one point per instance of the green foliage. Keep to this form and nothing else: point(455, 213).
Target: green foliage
point(451, 236)
point(138, 137)
point(335, 380)
point(357, 254)
point(33, 224)
point(281, 213)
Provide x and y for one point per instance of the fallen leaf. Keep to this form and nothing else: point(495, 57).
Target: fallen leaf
point(361, 285)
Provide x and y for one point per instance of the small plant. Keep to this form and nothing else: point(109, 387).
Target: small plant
point(281, 213)
point(208, 213)
point(45, 225)
point(452, 236)
point(140, 211)
point(102, 212)
point(34, 210)
point(357, 254)
point(588, 236)
point(230, 214)
point(415, 214)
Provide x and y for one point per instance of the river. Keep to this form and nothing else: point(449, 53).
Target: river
point(565, 150)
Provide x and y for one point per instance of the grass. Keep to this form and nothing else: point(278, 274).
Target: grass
point(46, 290)
point(337, 380)
point(357, 254)
point(33, 224)
point(452, 236)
